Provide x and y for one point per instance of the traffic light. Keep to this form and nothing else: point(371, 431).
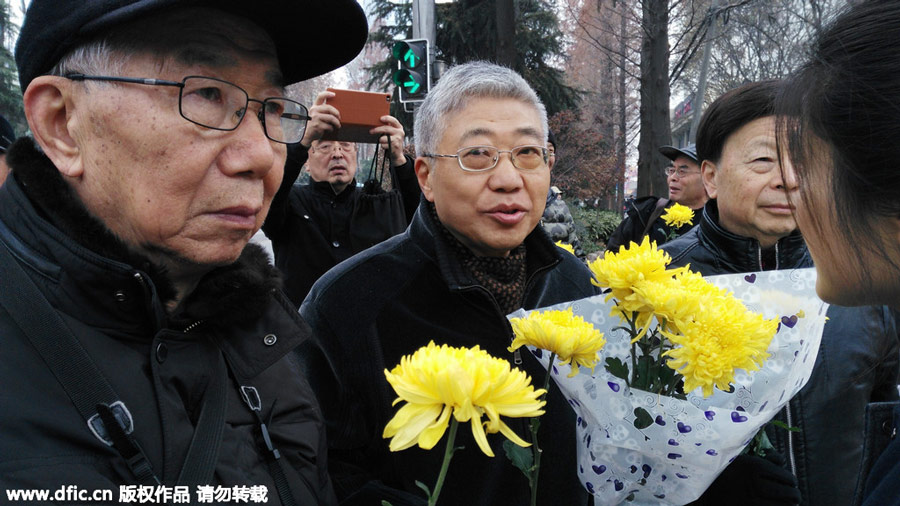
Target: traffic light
point(412, 74)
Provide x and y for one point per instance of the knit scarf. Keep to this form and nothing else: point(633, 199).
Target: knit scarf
point(503, 277)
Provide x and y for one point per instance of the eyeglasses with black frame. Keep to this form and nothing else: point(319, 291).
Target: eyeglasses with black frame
point(484, 158)
point(221, 105)
point(682, 172)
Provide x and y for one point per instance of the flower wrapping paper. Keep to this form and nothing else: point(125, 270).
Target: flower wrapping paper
point(690, 441)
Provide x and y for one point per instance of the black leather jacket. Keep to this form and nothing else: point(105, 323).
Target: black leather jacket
point(857, 363)
point(387, 302)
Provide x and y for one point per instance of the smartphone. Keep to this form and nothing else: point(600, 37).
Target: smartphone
point(361, 111)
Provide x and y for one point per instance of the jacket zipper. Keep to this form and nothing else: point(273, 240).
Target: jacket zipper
point(759, 256)
point(192, 326)
point(790, 441)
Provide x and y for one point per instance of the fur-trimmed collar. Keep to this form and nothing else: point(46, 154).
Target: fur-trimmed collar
point(234, 293)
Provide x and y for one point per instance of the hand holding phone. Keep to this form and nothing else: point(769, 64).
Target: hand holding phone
point(360, 112)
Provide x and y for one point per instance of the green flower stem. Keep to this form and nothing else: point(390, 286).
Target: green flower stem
point(660, 359)
point(536, 468)
point(670, 390)
point(633, 331)
point(448, 454)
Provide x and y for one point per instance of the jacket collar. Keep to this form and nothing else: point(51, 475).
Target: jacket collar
point(95, 273)
point(744, 253)
point(423, 230)
point(324, 188)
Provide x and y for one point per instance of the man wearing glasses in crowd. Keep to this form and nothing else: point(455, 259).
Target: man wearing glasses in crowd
point(472, 254)
point(315, 226)
point(643, 214)
point(144, 342)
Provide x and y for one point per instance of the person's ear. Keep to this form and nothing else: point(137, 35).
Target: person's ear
point(49, 108)
point(423, 167)
point(708, 171)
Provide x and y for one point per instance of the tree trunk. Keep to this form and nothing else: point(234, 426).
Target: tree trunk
point(623, 107)
point(506, 32)
point(655, 128)
point(607, 111)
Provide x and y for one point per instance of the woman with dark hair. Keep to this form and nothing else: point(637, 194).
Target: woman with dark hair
point(839, 122)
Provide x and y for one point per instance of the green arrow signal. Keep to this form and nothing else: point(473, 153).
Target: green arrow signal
point(410, 58)
point(412, 86)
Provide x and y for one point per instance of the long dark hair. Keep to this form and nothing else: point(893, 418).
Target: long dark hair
point(839, 120)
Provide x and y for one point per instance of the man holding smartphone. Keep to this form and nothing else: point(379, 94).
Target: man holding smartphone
point(314, 227)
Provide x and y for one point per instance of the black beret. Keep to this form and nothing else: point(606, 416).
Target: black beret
point(312, 37)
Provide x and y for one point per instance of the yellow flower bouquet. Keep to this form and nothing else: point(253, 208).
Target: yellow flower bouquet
point(691, 368)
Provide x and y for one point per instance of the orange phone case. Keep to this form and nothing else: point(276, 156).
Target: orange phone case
point(360, 112)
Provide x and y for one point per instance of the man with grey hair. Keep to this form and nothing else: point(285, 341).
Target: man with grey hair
point(471, 255)
point(144, 342)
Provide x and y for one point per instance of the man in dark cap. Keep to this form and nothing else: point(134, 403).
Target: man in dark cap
point(7, 136)
point(144, 343)
point(644, 215)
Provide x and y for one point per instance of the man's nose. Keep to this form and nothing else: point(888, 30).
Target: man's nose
point(249, 150)
point(505, 176)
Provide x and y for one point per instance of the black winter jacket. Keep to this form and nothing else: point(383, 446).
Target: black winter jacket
point(312, 229)
point(857, 364)
point(883, 487)
point(160, 365)
point(393, 299)
point(632, 227)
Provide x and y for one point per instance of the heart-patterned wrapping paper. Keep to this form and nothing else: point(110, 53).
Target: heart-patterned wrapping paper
point(675, 458)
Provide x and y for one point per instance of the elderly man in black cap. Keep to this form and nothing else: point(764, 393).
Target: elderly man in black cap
point(644, 214)
point(144, 343)
point(7, 136)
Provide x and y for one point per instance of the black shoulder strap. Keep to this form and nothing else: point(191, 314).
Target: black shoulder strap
point(251, 398)
point(203, 453)
point(657, 212)
point(107, 416)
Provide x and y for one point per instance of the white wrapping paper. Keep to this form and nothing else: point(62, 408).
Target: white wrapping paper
point(691, 441)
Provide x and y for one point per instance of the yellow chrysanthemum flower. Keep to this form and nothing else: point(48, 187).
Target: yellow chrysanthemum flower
point(725, 336)
point(627, 269)
point(567, 247)
point(621, 271)
point(573, 340)
point(679, 299)
point(678, 216)
point(437, 381)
